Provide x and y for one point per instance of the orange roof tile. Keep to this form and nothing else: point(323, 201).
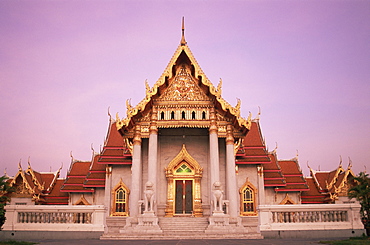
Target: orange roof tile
point(313, 195)
point(114, 150)
point(76, 177)
point(96, 175)
point(253, 150)
point(293, 176)
point(273, 176)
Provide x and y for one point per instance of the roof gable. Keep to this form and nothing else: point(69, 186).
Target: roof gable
point(182, 80)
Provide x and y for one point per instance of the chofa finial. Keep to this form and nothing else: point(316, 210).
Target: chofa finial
point(183, 42)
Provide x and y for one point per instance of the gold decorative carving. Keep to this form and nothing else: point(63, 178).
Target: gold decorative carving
point(82, 201)
point(222, 129)
point(144, 129)
point(183, 88)
point(129, 145)
point(260, 171)
point(22, 187)
point(287, 200)
point(237, 145)
point(145, 118)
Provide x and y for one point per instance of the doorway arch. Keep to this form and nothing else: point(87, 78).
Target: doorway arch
point(183, 175)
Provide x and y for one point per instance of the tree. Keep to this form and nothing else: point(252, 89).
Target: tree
point(361, 191)
point(4, 190)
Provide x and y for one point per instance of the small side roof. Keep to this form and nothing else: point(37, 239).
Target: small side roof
point(76, 177)
point(253, 149)
point(293, 176)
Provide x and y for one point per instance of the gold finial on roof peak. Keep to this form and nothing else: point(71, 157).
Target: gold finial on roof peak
point(19, 164)
point(259, 113)
point(349, 163)
point(110, 116)
point(183, 42)
point(276, 147)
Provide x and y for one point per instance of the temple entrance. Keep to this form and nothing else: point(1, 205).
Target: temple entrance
point(183, 186)
point(183, 197)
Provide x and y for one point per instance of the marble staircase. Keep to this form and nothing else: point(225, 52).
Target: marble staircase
point(174, 228)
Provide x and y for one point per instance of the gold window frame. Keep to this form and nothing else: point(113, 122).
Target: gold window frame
point(253, 190)
point(119, 186)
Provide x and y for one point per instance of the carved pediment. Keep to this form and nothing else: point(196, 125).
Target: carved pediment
point(183, 87)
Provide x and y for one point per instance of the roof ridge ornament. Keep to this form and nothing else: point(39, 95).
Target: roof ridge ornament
point(349, 163)
point(183, 42)
point(259, 113)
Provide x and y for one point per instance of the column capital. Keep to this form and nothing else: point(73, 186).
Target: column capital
point(229, 134)
point(137, 135)
point(213, 124)
point(153, 122)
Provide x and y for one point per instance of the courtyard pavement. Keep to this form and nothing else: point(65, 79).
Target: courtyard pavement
point(185, 242)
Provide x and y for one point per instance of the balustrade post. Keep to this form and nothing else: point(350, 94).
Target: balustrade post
point(20, 217)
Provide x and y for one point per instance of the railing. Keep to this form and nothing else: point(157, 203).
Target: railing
point(309, 217)
point(52, 218)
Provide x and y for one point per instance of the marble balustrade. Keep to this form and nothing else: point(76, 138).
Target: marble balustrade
point(54, 218)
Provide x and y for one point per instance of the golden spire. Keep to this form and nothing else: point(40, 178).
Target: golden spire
point(183, 42)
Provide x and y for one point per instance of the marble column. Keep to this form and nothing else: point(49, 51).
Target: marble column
point(153, 152)
point(107, 195)
point(135, 173)
point(213, 150)
point(261, 186)
point(231, 185)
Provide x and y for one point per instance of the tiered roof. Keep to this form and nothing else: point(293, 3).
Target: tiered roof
point(96, 174)
point(56, 197)
point(273, 177)
point(76, 177)
point(293, 176)
point(115, 150)
point(253, 150)
point(284, 175)
point(314, 194)
point(42, 187)
point(327, 186)
point(85, 176)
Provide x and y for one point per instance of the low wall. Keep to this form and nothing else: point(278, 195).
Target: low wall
point(46, 235)
point(87, 218)
point(305, 221)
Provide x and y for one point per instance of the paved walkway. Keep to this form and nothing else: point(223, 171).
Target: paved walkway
point(184, 242)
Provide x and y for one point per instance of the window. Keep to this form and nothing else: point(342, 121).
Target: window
point(120, 200)
point(203, 115)
point(183, 115)
point(193, 115)
point(162, 115)
point(172, 115)
point(248, 200)
point(183, 169)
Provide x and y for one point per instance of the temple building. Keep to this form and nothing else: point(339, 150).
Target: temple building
point(184, 159)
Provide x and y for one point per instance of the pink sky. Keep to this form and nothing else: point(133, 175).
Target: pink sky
point(305, 63)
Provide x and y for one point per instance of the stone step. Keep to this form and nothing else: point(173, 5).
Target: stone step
point(118, 236)
point(179, 225)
